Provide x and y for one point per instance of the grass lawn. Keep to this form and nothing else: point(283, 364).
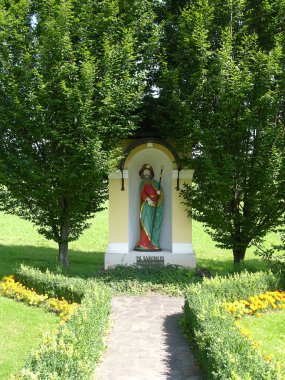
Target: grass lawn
point(269, 331)
point(20, 243)
point(220, 261)
point(21, 329)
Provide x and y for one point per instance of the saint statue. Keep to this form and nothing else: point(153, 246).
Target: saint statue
point(151, 210)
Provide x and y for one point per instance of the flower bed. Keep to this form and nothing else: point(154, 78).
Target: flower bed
point(257, 303)
point(254, 306)
point(222, 351)
point(72, 351)
point(9, 287)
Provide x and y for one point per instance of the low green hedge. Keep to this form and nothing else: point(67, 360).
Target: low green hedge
point(170, 279)
point(72, 351)
point(54, 285)
point(223, 353)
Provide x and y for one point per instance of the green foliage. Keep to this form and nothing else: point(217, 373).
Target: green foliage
point(73, 350)
point(240, 286)
point(54, 285)
point(222, 87)
point(275, 260)
point(274, 255)
point(222, 351)
point(120, 280)
point(47, 127)
point(131, 280)
point(72, 75)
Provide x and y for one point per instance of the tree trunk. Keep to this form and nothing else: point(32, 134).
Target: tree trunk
point(239, 245)
point(239, 254)
point(63, 245)
point(63, 254)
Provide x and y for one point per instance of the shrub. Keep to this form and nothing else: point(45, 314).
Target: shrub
point(169, 279)
point(275, 259)
point(71, 352)
point(241, 285)
point(54, 285)
point(223, 352)
point(275, 255)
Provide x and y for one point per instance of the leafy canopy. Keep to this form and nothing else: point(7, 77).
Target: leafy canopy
point(72, 75)
point(222, 93)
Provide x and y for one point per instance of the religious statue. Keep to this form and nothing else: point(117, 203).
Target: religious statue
point(151, 210)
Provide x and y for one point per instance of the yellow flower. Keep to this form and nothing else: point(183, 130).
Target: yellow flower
point(273, 300)
point(18, 291)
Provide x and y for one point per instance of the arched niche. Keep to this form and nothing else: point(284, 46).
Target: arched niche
point(156, 157)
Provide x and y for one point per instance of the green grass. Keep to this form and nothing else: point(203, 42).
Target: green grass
point(20, 243)
point(269, 331)
point(22, 328)
point(220, 261)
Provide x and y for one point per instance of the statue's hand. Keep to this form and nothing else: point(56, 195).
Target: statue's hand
point(149, 201)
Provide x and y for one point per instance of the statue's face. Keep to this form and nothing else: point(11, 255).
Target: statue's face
point(146, 175)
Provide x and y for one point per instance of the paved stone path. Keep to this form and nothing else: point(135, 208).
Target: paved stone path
point(146, 342)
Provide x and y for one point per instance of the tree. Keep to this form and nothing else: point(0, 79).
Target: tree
point(72, 76)
point(223, 89)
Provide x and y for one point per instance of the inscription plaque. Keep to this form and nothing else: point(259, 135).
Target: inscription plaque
point(150, 261)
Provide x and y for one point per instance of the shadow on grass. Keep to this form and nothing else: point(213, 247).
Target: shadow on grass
point(169, 279)
point(223, 267)
point(82, 264)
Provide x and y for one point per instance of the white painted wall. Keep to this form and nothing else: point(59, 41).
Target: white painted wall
point(155, 158)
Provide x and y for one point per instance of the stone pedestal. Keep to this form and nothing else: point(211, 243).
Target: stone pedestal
point(150, 259)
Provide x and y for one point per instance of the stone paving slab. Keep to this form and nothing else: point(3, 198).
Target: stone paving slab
point(146, 342)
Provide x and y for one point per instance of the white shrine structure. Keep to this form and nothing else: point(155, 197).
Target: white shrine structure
point(124, 207)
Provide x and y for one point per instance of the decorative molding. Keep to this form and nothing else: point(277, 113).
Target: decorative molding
point(118, 175)
point(183, 174)
point(148, 140)
point(184, 248)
